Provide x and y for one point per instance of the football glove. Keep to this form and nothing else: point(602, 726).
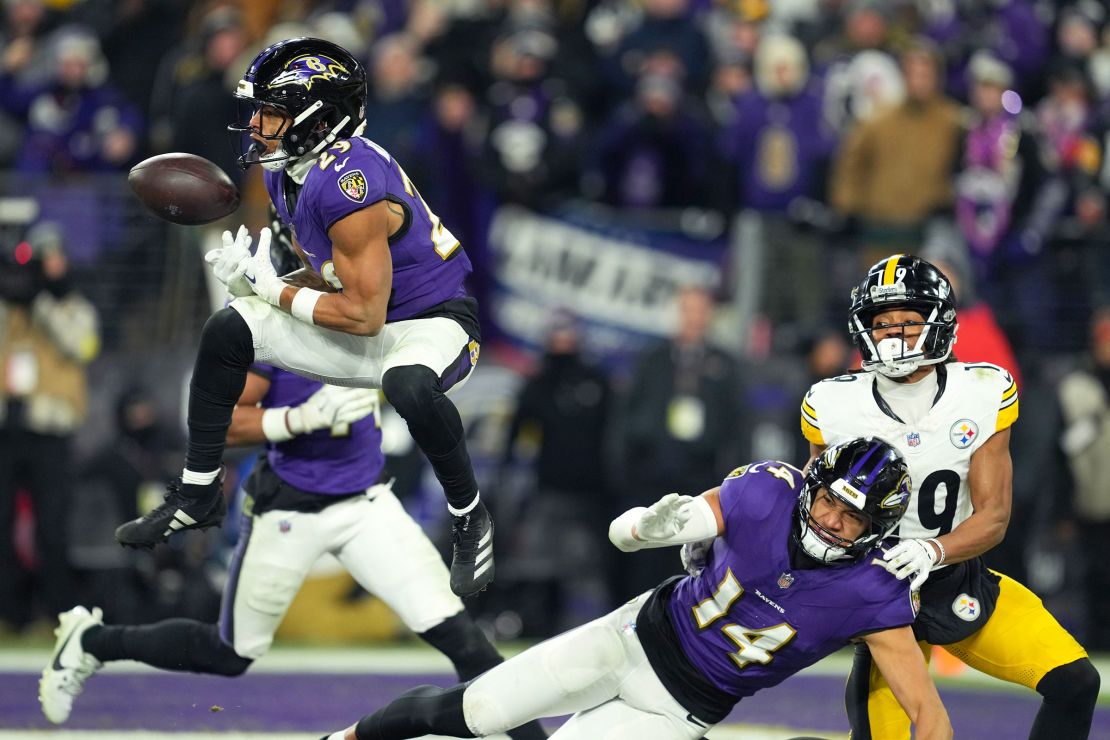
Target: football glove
point(229, 262)
point(694, 555)
point(330, 407)
point(664, 518)
point(911, 557)
point(260, 272)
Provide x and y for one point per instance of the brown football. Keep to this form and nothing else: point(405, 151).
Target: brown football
point(184, 188)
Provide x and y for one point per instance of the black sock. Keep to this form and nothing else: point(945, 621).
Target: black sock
point(472, 654)
point(417, 712)
point(464, 643)
point(173, 644)
point(1070, 692)
point(225, 354)
point(436, 427)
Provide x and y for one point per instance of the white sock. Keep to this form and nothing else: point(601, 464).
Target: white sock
point(469, 507)
point(192, 478)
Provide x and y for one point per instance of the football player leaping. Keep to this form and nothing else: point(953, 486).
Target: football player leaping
point(951, 421)
point(315, 491)
point(789, 579)
point(402, 320)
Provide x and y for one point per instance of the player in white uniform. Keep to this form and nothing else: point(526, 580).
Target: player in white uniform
point(951, 421)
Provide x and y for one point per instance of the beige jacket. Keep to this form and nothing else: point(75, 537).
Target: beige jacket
point(44, 349)
point(1086, 442)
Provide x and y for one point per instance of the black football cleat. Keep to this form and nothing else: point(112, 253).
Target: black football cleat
point(184, 507)
point(472, 551)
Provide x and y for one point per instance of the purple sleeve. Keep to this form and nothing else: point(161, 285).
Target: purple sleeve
point(744, 500)
point(891, 603)
point(360, 182)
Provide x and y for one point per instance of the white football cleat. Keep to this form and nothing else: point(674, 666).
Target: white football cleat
point(64, 678)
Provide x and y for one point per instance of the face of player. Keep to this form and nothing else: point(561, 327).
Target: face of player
point(267, 125)
point(886, 324)
point(837, 517)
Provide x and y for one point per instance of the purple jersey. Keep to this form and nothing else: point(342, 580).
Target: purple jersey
point(750, 620)
point(429, 265)
point(321, 462)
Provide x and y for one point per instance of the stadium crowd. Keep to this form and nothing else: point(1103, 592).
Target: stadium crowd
point(970, 132)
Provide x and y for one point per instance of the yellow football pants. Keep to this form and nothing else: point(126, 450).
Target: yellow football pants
point(1020, 643)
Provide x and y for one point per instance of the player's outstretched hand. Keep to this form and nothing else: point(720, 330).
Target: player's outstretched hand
point(664, 518)
point(229, 262)
point(911, 557)
point(260, 271)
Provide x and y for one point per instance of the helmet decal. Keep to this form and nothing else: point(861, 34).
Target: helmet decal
point(304, 70)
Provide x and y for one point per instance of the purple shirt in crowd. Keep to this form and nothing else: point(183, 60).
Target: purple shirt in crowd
point(320, 462)
point(429, 265)
point(749, 620)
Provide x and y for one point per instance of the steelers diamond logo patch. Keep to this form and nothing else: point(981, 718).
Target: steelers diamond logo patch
point(963, 433)
point(353, 185)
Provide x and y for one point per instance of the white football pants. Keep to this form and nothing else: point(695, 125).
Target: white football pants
point(345, 359)
point(373, 537)
point(598, 670)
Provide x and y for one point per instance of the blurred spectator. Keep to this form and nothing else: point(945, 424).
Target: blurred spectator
point(76, 121)
point(894, 171)
point(48, 334)
point(397, 98)
point(125, 475)
point(654, 152)
point(680, 427)
point(1084, 396)
point(781, 146)
point(861, 78)
point(980, 338)
point(665, 26)
point(136, 37)
point(562, 537)
point(200, 101)
point(535, 129)
point(1007, 204)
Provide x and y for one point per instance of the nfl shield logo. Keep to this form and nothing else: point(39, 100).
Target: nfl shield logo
point(285, 525)
point(913, 439)
point(785, 580)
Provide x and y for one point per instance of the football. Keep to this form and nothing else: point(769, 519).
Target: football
point(184, 188)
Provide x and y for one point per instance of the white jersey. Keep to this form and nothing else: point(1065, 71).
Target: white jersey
point(972, 402)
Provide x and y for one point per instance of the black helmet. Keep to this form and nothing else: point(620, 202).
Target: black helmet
point(904, 282)
point(869, 476)
point(318, 84)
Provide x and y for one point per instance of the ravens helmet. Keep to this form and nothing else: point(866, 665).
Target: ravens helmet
point(904, 282)
point(317, 85)
point(867, 475)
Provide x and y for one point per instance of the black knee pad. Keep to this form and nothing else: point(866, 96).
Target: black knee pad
point(464, 643)
point(411, 389)
point(226, 339)
point(1076, 684)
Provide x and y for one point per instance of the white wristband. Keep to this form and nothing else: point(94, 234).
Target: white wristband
point(620, 530)
point(274, 428)
point(304, 304)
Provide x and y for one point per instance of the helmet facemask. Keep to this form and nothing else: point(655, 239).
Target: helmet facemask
point(869, 478)
point(892, 356)
point(903, 283)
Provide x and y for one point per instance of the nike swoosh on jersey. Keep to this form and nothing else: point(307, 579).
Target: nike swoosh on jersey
point(694, 720)
point(341, 165)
